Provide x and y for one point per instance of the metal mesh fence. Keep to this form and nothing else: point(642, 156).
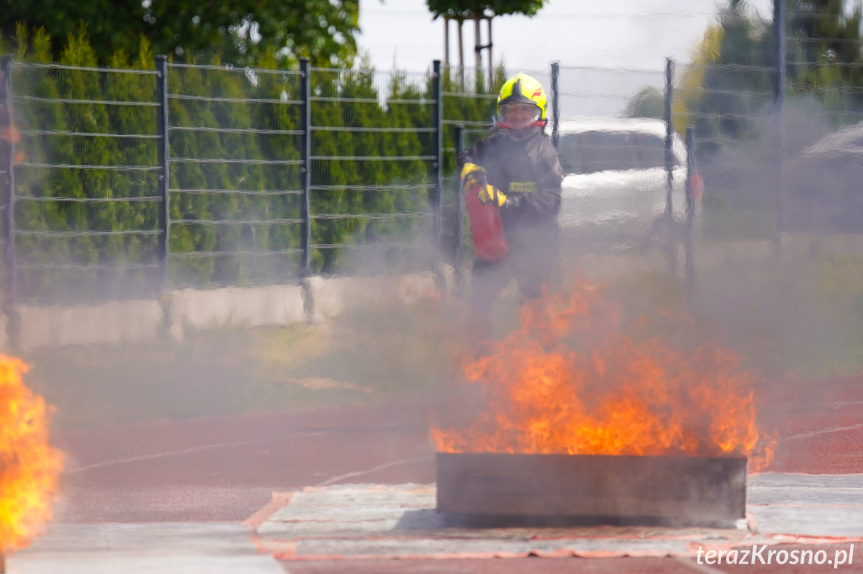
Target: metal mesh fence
point(468, 112)
point(210, 175)
point(372, 163)
point(616, 186)
point(731, 108)
point(591, 91)
point(235, 189)
point(85, 200)
point(235, 176)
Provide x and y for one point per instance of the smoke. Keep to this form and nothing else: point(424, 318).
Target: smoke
point(779, 267)
point(392, 327)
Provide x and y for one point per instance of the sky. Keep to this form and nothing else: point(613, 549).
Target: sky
point(617, 36)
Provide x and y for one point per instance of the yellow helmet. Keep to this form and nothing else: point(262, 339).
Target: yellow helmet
point(521, 103)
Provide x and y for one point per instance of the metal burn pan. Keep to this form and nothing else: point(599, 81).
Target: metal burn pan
point(547, 488)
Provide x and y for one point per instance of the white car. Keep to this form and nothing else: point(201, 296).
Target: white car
point(616, 184)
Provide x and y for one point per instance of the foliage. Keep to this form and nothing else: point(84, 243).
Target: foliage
point(736, 89)
point(725, 86)
point(467, 9)
point(823, 34)
point(729, 84)
point(647, 103)
point(690, 85)
point(241, 31)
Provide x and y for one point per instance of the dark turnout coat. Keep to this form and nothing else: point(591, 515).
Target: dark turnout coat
point(528, 171)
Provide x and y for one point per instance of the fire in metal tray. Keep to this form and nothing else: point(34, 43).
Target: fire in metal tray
point(584, 411)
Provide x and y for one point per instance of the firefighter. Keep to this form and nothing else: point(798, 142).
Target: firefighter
point(516, 169)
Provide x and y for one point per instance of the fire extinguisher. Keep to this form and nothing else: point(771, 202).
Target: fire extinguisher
point(489, 241)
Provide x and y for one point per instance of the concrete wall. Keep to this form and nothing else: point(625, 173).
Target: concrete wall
point(251, 307)
point(119, 321)
point(320, 298)
point(177, 311)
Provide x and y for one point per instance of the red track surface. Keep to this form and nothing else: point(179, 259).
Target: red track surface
point(225, 469)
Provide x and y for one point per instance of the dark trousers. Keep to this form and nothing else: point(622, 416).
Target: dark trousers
point(532, 261)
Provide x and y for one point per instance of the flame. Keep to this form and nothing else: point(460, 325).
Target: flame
point(29, 466)
point(575, 378)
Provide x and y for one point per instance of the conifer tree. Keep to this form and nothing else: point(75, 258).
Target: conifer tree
point(364, 113)
point(407, 117)
point(327, 176)
point(41, 116)
point(345, 102)
point(189, 238)
point(228, 88)
point(90, 150)
point(282, 181)
point(133, 120)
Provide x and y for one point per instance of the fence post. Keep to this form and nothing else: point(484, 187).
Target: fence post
point(781, 51)
point(669, 168)
point(164, 169)
point(555, 103)
point(437, 149)
point(780, 56)
point(688, 262)
point(10, 299)
point(459, 232)
point(306, 167)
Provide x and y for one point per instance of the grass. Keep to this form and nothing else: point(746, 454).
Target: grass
point(367, 356)
point(793, 318)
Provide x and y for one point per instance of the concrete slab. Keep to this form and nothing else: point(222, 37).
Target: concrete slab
point(166, 548)
point(376, 521)
point(807, 505)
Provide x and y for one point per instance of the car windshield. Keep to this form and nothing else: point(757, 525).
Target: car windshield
point(594, 151)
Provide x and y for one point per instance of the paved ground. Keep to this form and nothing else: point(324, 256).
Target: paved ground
point(382, 521)
point(215, 473)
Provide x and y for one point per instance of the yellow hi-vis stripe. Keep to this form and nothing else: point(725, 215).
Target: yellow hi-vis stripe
point(522, 186)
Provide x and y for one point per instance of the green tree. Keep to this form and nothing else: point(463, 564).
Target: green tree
point(132, 122)
point(647, 103)
point(730, 82)
point(218, 113)
point(825, 55)
point(728, 86)
point(242, 173)
point(94, 153)
point(240, 30)
point(282, 183)
point(469, 9)
point(328, 176)
point(191, 111)
point(476, 10)
point(33, 211)
point(737, 85)
point(824, 33)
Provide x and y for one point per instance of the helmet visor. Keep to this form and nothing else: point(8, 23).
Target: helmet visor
point(519, 115)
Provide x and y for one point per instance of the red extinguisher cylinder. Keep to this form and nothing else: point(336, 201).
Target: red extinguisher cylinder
point(489, 241)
